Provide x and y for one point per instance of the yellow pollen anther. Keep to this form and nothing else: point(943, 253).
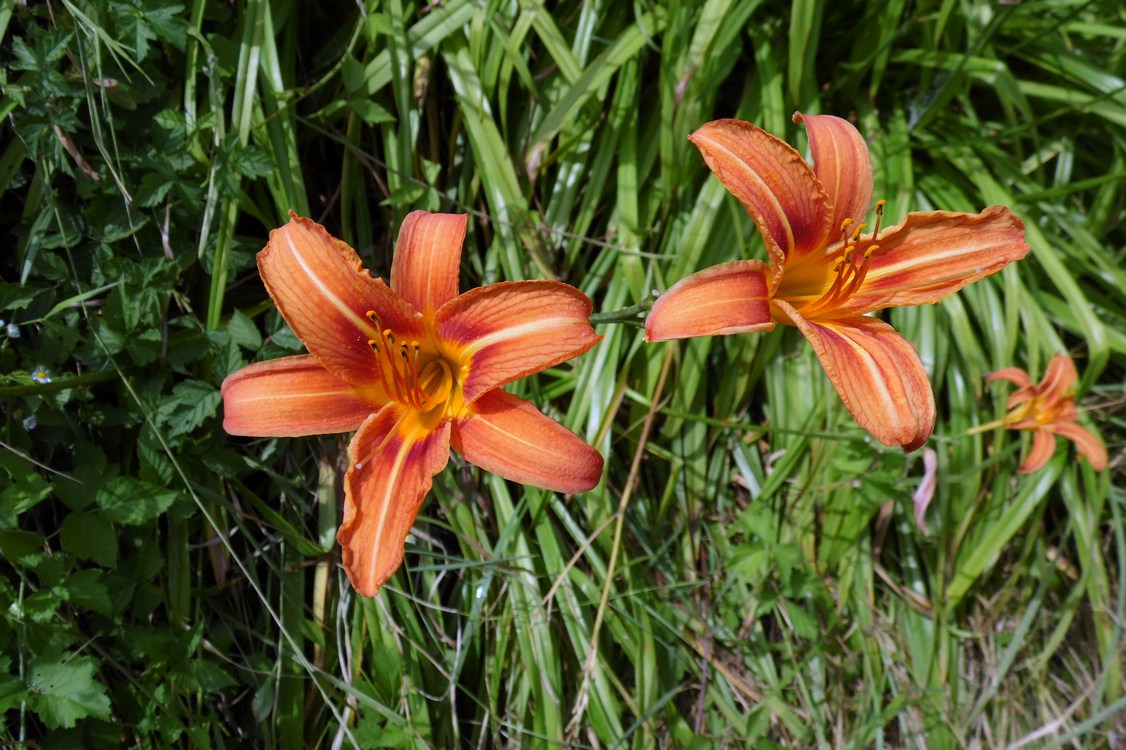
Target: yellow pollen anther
point(859, 228)
point(845, 225)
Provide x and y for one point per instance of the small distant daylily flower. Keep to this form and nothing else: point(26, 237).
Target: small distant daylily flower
point(414, 368)
point(41, 375)
point(1046, 410)
point(825, 273)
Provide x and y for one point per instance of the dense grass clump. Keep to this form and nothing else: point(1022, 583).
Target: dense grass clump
point(749, 572)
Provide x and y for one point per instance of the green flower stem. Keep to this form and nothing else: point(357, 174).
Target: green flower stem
point(61, 384)
point(632, 315)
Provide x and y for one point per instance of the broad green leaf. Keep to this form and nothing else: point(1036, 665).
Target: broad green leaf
point(130, 501)
point(63, 689)
point(89, 536)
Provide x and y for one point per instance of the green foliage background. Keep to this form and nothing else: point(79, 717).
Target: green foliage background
point(748, 574)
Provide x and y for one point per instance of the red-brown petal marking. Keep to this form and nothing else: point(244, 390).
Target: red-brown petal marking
point(509, 436)
point(394, 459)
point(427, 259)
point(509, 330)
point(842, 163)
point(324, 293)
point(293, 396)
point(1043, 446)
point(773, 182)
point(878, 375)
point(1086, 442)
point(729, 298)
point(932, 255)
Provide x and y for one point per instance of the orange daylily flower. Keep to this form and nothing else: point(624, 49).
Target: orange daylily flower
point(825, 273)
point(413, 368)
point(1046, 410)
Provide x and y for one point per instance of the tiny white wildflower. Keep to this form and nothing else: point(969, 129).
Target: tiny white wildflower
point(41, 375)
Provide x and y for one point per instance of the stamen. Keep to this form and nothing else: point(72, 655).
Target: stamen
point(403, 375)
point(851, 267)
point(879, 217)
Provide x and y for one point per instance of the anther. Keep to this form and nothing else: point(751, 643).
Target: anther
point(388, 335)
point(374, 318)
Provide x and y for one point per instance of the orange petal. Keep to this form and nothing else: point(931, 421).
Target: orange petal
point(324, 293)
point(729, 298)
point(509, 330)
point(772, 181)
point(877, 373)
point(293, 396)
point(1089, 445)
point(427, 258)
point(394, 459)
point(842, 163)
point(934, 254)
point(1014, 375)
point(1018, 377)
point(510, 437)
point(1059, 377)
point(1043, 446)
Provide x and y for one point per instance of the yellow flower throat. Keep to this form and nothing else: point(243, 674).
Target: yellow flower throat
point(847, 274)
point(415, 374)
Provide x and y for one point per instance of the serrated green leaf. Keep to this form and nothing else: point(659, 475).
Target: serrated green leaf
point(89, 536)
point(130, 501)
point(253, 162)
point(352, 74)
point(12, 691)
point(153, 190)
point(27, 491)
point(192, 402)
point(63, 690)
point(15, 544)
point(86, 590)
point(243, 331)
